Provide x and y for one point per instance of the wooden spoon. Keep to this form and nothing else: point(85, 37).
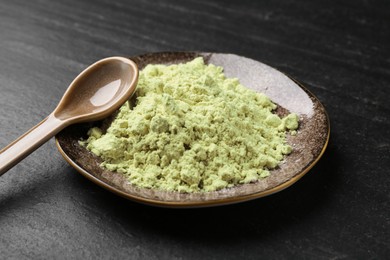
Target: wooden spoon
point(93, 95)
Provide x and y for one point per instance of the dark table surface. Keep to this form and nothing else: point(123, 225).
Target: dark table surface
point(339, 49)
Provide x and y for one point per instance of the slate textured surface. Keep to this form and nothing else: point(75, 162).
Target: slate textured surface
point(340, 210)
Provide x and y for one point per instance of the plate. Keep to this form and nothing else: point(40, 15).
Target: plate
point(308, 145)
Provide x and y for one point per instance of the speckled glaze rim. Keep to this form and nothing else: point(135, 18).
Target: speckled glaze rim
point(205, 203)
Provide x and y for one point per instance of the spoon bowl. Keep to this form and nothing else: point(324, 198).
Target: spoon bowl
point(308, 145)
point(96, 93)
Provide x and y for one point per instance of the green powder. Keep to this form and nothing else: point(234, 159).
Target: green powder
point(192, 130)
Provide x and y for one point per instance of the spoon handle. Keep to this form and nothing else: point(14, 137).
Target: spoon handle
point(29, 142)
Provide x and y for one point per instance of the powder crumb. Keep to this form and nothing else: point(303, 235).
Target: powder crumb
point(193, 130)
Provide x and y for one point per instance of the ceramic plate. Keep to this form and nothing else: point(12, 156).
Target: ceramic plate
point(290, 96)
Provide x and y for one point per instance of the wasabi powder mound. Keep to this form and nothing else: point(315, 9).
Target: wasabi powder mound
point(191, 129)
